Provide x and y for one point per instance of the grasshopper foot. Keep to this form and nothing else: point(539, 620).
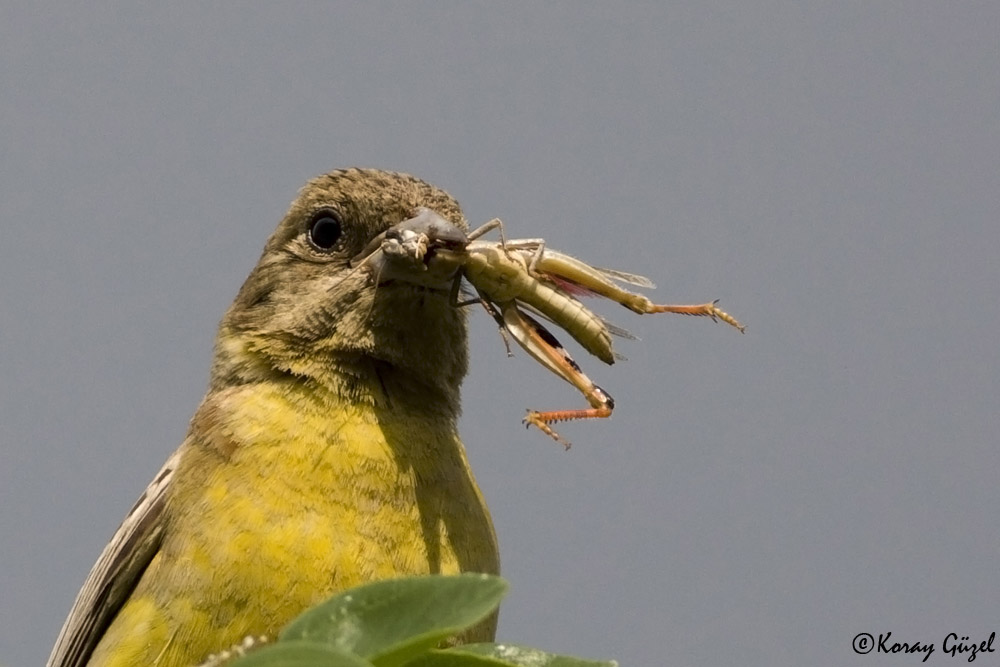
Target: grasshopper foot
point(702, 310)
point(537, 420)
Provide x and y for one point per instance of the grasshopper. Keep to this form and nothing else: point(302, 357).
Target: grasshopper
point(508, 277)
point(492, 269)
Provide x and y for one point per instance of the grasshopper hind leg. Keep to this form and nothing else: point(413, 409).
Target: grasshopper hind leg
point(703, 310)
point(539, 342)
point(543, 420)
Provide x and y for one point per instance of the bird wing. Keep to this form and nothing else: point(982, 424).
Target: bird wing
point(115, 574)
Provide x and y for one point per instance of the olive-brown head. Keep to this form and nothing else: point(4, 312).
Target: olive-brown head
point(305, 311)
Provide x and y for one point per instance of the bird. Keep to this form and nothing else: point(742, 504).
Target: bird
point(325, 453)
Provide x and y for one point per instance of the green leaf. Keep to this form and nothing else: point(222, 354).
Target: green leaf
point(391, 622)
point(299, 653)
point(456, 658)
point(524, 656)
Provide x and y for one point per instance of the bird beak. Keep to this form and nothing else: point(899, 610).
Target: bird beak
point(409, 251)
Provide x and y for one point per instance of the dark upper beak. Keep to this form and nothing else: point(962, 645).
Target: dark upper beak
point(407, 251)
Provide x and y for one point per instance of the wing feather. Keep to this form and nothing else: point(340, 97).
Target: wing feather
point(115, 574)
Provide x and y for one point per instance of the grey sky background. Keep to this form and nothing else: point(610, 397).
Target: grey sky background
point(831, 171)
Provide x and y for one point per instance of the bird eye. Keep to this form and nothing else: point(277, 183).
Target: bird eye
point(324, 230)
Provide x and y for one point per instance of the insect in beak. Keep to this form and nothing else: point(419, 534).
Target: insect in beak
point(511, 276)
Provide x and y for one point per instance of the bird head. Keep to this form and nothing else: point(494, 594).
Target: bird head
point(307, 312)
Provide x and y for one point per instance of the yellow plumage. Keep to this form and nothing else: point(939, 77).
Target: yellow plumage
point(324, 455)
